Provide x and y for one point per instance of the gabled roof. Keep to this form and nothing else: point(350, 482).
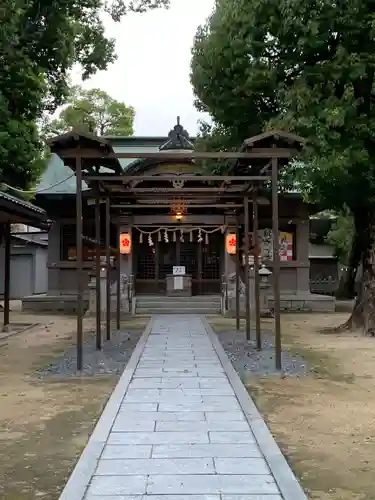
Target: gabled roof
point(76, 139)
point(58, 179)
point(70, 138)
point(178, 139)
point(274, 134)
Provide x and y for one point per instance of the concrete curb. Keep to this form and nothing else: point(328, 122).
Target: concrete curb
point(80, 478)
point(283, 474)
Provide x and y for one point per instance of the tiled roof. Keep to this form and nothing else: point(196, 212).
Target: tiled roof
point(58, 179)
point(22, 203)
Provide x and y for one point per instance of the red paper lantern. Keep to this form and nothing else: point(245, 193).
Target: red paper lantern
point(125, 243)
point(231, 243)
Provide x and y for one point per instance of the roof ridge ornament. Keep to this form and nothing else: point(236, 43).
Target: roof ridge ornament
point(178, 138)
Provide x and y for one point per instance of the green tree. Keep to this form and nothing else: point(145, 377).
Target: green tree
point(40, 41)
point(309, 67)
point(92, 111)
point(340, 236)
point(230, 83)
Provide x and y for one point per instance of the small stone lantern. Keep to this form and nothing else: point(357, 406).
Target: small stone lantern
point(265, 287)
point(103, 289)
point(264, 274)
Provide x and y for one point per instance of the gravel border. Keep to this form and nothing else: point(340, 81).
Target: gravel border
point(79, 480)
point(285, 478)
point(248, 361)
point(111, 360)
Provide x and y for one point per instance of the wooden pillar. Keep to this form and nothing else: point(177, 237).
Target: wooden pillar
point(79, 256)
point(108, 267)
point(256, 272)
point(237, 275)
point(178, 250)
point(200, 268)
point(157, 263)
point(97, 274)
point(118, 282)
point(276, 262)
point(7, 258)
point(247, 285)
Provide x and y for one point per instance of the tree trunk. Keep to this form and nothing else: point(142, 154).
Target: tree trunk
point(346, 289)
point(363, 315)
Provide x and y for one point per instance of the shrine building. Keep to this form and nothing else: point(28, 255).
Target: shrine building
point(164, 234)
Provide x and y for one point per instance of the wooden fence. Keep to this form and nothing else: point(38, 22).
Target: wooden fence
point(324, 286)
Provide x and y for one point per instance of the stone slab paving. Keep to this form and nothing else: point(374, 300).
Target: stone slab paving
point(181, 430)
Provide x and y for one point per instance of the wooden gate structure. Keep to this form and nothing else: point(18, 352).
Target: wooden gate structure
point(254, 171)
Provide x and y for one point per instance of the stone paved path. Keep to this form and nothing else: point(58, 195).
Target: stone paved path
point(180, 432)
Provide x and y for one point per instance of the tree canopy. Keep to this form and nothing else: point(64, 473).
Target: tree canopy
point(92, 111)
point(340, 236)
point(309, 67)
point(40, 41)
point(233, 87)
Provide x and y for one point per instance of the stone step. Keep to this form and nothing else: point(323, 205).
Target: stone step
point(162, 305)
point(154, 304)
point(177, 302)
point(195, 298)
point(174, 310)
point(182, 305)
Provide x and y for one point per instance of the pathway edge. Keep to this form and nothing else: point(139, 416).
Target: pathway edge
point(284, 476)
point(79, 480)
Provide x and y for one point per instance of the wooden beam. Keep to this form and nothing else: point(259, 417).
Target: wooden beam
point(247, 283)
point(108, 261)
point(175, 191)
point(256, 275)
point(259, 153)
point(80, 275)
point(169, 178)
point(190, 205)
point(276, 263)
point(97, 275)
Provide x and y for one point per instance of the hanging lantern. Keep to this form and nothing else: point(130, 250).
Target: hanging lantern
point(125, 243)
point(231, 243)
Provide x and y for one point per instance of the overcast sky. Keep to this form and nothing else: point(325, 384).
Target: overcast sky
point(152, 70)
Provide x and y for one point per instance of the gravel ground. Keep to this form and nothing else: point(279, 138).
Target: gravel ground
point(248, 361)
point(111, 360)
